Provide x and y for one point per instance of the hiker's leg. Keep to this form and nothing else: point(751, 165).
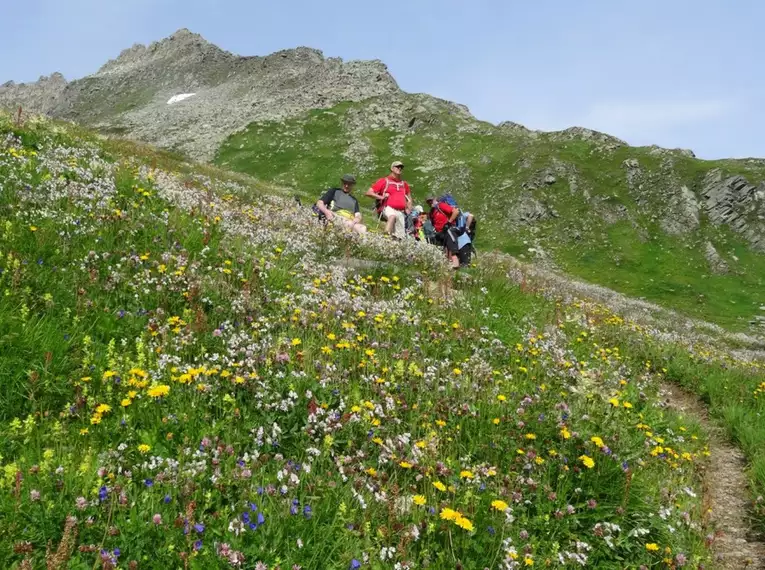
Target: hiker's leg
point(400, 226)
point(390, 214)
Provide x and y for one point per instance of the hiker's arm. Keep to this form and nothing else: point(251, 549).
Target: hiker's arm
point(377, 190)
point(455, 213)
point(376, 195)
point(324, 210)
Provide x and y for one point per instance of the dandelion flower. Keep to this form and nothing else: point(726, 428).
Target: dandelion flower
point(499, 505)
point(419, 500)
point(597, 441)
point(159, 391)
point(448, 514)
point(296, 342)
point(405, 465)
point(466, 474)
point(143, 448)
point(587, 461)
point(103, 409)
point(464, 523)
point(652, 547)
point(440, 486)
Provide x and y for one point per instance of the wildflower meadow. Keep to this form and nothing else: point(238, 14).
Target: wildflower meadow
point(195, 374)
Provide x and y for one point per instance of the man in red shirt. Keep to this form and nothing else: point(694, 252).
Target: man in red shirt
point(394, 199)
point(442, 216)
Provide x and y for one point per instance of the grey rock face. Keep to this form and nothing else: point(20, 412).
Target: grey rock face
point(735, 202)
point(716, 263)
point(528, 210)
point(39, 97)
point(129, 95)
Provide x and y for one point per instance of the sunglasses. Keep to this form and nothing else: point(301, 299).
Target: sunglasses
point(400, 167)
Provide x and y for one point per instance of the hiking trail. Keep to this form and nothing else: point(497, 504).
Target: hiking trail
point(725, 488)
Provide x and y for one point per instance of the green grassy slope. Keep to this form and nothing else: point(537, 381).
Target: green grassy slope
point(600, 230)
point(194, 370)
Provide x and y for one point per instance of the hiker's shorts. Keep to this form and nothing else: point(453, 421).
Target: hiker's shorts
point(399, 229)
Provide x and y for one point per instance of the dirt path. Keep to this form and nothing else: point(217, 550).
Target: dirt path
point(726, 490)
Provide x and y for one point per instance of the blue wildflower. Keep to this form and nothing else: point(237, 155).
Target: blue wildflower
point(355, 564)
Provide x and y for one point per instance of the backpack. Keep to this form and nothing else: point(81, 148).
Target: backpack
point(461, 222)
point(449, 199)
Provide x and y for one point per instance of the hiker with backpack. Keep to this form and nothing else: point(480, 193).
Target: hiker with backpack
point(393, 200)
point(339, 204)
point(443, 216)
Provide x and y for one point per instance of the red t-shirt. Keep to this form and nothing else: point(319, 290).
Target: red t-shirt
point(439, 215)
point(397, 190)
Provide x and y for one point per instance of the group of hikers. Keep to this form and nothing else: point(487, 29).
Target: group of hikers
point(443, 225)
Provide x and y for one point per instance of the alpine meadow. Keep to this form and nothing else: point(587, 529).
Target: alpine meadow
point(198, 374)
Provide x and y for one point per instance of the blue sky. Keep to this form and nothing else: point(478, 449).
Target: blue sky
point(678, 73)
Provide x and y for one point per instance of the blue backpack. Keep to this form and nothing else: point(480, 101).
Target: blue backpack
point(461, 222)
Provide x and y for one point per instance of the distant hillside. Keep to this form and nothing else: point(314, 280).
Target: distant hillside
point(649, 222)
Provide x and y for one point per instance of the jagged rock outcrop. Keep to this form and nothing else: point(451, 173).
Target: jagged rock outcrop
point(733, 201)
point(582, 133)
point(38, 97)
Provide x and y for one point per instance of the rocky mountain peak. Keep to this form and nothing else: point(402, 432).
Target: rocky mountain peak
point(182, 47)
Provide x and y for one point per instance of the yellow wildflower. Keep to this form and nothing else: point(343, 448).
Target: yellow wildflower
point(499, 505)
point(464, 523)
point(143, 448)
point(449, 514)
point(159, 391)
point(419, 500)
point(440, 486)
point(587, 461)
